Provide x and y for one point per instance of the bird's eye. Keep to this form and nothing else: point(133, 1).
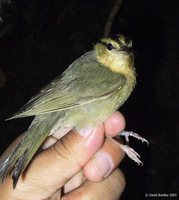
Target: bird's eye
point(110, 46)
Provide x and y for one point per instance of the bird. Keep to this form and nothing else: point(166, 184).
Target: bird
point(93, 87)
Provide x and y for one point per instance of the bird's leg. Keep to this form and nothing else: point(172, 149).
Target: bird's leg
point(128, 150)
point(126, 134)
point(132, 154)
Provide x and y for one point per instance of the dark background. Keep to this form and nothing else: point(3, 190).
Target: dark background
point(40, 38)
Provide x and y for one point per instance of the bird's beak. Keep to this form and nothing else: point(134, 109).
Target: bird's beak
point(126, 50)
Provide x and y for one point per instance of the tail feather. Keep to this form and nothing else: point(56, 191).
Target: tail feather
point(7, 164)
point(19, 167)
point(17, 161)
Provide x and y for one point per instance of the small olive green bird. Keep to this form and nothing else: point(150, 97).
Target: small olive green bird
point(85, 94)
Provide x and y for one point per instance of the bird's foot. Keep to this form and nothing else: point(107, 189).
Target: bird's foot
point(131, 153)
point(126, 134)
point(128, 150)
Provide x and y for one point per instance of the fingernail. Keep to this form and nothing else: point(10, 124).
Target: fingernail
point(103, 164)
point(49, 142)
point(85, 132)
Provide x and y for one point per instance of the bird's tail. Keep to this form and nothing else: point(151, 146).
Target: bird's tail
point(17, 161)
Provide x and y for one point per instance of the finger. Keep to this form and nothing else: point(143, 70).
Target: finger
point(104, 161)
point(57, 135)
point(49, 142)
point(74, 182)
point(114, 124)
point(110, 188)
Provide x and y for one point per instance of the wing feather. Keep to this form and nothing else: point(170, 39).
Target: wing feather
point(84, 81)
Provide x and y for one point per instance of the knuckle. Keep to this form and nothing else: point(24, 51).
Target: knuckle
point(62, 149)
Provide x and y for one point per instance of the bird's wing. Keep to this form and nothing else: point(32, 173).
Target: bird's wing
point(84, 81)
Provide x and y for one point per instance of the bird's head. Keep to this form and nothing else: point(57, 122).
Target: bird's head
point(115, 53)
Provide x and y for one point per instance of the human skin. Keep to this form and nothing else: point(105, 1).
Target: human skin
point(79, 166)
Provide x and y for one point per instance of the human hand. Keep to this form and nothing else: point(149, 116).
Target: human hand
point(79, 166)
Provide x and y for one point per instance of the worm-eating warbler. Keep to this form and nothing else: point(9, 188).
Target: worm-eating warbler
point(84, 95)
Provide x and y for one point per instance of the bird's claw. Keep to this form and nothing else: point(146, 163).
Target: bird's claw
point(128, 150)
point(126, 134)
point(131, 153)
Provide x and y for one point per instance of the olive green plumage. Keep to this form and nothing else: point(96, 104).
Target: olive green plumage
point(90, 90)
